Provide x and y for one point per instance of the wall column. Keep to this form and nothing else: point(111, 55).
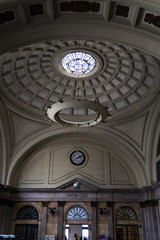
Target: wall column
point(150, 220)
point(110, 220)
point(60, 220)
point(44, 219)
point(94, 220)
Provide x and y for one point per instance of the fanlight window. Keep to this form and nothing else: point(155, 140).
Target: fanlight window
point(27, 212)
point(77, 213)
point(126, 213)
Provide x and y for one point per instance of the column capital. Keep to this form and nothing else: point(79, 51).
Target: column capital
point(109, 204)
point(44, 204)
point(149, 203)
point(93, 204)
point(61, 204)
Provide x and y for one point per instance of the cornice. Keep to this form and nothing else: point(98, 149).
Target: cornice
point(148, 195)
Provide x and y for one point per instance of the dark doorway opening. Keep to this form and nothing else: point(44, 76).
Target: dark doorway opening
point(26, 231)
point(127, 232)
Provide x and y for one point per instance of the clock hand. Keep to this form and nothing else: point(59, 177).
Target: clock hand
point(78, 157)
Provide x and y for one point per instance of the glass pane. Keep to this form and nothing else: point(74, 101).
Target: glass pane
point(78, 63)
point(26, 231)
point(27, 212)
point(121, 233)
point(132, 230)
point(67, 232)
point(85, 232)
point(20, 231)
point(33, 230)
point(126, 213)
point(127, 232)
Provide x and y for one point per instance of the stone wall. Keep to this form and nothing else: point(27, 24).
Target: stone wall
point(101, 206)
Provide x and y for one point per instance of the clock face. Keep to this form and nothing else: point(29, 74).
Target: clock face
point(77, 157)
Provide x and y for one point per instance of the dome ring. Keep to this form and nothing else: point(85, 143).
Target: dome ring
point(101, 112)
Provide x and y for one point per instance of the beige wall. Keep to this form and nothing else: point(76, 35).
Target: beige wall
point(50, 166)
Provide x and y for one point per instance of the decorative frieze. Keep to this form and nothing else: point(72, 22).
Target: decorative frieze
point(152, 19)
point(79, 6)
point(77, 195)
point(87, 195)
point(6, 16)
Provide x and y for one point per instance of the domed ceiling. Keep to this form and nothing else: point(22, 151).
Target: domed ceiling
point(37, 71)
point(32, 77)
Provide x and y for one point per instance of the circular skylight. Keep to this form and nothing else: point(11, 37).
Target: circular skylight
point(78, 63)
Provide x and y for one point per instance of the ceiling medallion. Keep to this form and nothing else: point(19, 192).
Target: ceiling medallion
point(101, 113)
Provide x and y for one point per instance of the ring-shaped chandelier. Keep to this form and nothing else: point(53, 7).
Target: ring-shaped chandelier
point(54, 112)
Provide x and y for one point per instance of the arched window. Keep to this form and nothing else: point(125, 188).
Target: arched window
point(29, 230)
point(77, 213)
point(126, 226)
point(27, 212)
point(126, 213)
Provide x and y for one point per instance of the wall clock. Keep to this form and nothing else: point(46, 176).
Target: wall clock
point(77, 157)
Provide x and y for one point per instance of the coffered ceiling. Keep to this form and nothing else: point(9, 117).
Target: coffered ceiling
point(31, 78)
point(30, 75)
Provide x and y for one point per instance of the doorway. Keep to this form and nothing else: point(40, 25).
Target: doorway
point(76, 232)
point(127, 232)
point(26, 231)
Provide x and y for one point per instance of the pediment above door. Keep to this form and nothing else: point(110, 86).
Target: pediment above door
point(83, 186)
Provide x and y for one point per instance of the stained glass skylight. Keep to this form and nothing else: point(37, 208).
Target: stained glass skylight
point(78, 63)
